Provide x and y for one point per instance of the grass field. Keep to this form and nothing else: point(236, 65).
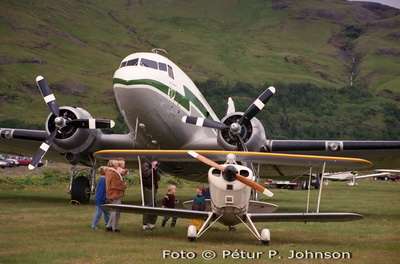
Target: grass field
point(38, 225)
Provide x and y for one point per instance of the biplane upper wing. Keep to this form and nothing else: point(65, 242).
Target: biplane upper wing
point(333, 163)
point(136, 209)
point(305, 217)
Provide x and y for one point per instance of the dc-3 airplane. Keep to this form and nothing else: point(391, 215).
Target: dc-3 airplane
point(168, 116)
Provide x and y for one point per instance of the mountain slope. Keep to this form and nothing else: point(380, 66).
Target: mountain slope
point(77, 45)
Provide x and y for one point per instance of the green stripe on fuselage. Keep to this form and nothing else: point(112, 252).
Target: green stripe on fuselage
point(183, 100)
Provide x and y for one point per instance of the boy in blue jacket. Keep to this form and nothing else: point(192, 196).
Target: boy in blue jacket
point(100, 199)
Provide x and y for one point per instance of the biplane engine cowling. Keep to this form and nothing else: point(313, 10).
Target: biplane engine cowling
point(252, 133)
point(69, 139)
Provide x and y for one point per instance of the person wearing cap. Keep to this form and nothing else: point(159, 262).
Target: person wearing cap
point(150, 178)
point(100, 199)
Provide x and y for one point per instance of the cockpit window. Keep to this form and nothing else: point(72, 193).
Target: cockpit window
point(133, 62)
point(170, 72)
point(149, 63)
point(123, 64)
point(162, 66)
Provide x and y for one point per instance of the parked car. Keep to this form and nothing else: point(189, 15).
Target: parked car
point(3, 164)
point(7, 162)
point(392, 177)
point(23, 161)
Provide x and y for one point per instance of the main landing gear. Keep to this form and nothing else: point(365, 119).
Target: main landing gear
point(82, 183)
point(264, 237)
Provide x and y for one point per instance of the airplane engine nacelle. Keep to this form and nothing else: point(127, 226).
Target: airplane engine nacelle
point(71, 140)
point(252, 132)
point(231, 193)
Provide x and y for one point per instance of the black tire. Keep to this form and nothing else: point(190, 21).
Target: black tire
point(80, 190)
point(318, 181)
point(265, 242)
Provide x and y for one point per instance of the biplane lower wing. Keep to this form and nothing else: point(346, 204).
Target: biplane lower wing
point(305, 217)
point(136, 209)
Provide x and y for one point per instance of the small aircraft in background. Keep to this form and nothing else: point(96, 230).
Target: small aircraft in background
point(350, 176)
point(231, 186)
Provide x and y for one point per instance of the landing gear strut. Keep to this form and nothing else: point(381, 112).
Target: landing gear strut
point(82, 183)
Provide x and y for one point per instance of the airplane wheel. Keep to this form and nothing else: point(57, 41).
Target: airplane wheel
point(192, 233)
point(264, 243)
point(265, 237)
point(232, 228)
point(80, 190)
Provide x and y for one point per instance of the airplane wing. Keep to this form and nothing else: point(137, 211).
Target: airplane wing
point(79, 143)
point(136, 209)
point(381, 153)
point(305, 217)
point(18, 141)
point(373, 175)
point(333, 163)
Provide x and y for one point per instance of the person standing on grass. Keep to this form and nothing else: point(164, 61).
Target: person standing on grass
point(115, 191)
point(199, 204)
point(101, 198)
point(150, 178)
point(169, 201)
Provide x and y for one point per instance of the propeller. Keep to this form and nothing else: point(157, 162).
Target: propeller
point(61, 121)
point(202, 122)
point(239, 177)
point(258, 104)
point(42, 150)
point(236, 128)
point(48, 96)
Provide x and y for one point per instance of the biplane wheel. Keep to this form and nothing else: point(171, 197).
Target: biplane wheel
point(192, 233)
point(232, 228)
point(265, 237)
point(80, 190)
point(265, 243)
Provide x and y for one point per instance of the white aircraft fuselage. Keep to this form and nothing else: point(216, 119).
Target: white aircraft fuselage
point(153, 94)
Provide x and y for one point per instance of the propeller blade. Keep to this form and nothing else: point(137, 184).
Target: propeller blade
point(239, 177)
point(91, 123)
point(209, 162)
point(202, 122)
point(258, 104)
point(42, 150)
point(48, 96)
point(254, 185)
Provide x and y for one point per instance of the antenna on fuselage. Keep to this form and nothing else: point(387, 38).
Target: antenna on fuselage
point(156, 50)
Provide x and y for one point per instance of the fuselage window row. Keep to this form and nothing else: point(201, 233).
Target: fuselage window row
point(150, 64)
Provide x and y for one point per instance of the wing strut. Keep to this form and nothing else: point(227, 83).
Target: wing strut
point(250, 226)
point(320, 187)
point(309, 189)
point(207, 224)
point(141, 179)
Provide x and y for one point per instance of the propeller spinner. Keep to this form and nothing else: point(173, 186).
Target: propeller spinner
point(61, 121)
point(237, 127)
point(239, 177)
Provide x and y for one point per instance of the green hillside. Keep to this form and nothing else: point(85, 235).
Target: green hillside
point(77, 45)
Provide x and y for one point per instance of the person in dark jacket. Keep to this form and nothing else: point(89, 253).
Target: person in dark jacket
point(100, 199)
point(150, 178)
point(169, 201)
